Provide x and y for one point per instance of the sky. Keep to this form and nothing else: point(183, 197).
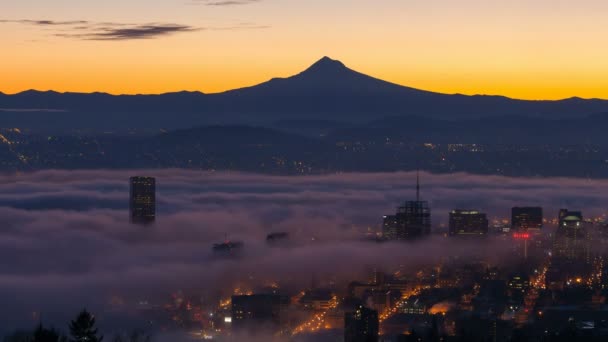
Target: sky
point(69, 243)
point(542, 49)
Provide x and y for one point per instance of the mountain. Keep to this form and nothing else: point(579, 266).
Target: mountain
point(327, 90)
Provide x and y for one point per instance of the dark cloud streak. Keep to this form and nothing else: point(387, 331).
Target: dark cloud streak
point(107, 31)
point(46, 22)
point(130, 33)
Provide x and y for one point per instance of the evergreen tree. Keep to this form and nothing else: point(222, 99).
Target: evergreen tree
point(83, 328)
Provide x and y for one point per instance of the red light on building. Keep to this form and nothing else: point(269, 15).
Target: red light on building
point(521, 236)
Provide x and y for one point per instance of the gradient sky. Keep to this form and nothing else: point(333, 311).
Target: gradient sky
point(541, 49)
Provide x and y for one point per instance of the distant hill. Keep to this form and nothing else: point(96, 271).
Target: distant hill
point(327, 90)
point(512, 130)
point(515, 146)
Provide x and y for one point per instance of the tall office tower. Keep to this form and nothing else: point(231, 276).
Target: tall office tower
point(258, 311)
point(412, 220)
point(525, 219)
point(468, 223)
point(566, 215)
point(362, 325)
point(572, 238)
point(390, 227)
point(142, 199)
point(571, 262)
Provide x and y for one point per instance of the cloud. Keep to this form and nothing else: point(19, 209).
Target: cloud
point(46, 22)
point(86, 30)
point(108, 31)
point(147, 31)
point(67, 242)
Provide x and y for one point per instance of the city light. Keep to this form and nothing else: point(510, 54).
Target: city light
point(521, 236)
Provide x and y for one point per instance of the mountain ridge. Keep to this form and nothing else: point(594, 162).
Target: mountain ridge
point(325, 60)
point(327, 89)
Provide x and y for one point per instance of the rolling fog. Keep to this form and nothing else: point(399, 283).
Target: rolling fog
point(66, 242)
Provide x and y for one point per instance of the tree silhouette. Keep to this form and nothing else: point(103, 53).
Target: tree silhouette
point(18, 336)
point(42, 334)
point(83, 328)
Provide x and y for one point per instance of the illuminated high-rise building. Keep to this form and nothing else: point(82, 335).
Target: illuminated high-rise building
point(390, 227)
point(361, 325)
point(142, 199)
point(572, 238)
point(468, 223)
point(412, 220)
point(525, 219)
point(562, 213)
point(571, 262)
point(526, 224)
point(258, 311)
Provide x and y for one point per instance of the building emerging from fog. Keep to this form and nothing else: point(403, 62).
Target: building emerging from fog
point(468, 222)
point(362, 325)
point(571, 237)
point(412, 220)
point(142, 199)
point(571, 262)
point(258, 312)
point(525, 219)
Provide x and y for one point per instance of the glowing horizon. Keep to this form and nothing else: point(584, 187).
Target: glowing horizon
point(545, 50)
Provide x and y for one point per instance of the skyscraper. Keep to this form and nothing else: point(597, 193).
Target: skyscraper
point(468, 222)
point(571, 262)
point(525, 219)
point(362, 325)
point(251, 312)
point(571, 237)
point(412, 220)
point(142, 199)
point(566, 216)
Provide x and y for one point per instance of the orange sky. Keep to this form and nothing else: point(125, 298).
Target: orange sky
point(545, 50)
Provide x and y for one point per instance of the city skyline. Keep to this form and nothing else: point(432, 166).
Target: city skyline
point(295, 171)
point(197, 209)
point(472, 47)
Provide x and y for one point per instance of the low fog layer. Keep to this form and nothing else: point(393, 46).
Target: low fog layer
point(66, 243)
